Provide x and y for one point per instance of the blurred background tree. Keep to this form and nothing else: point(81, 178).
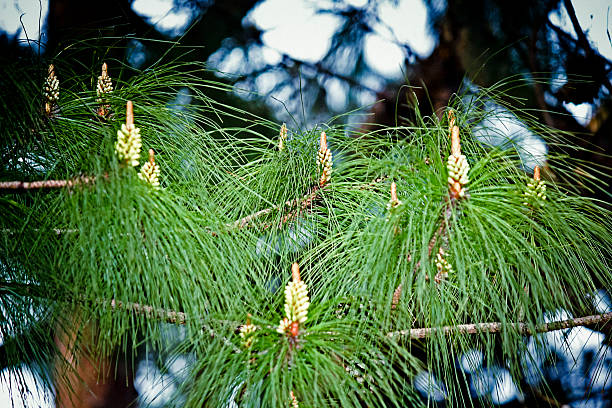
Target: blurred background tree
point(305, 61)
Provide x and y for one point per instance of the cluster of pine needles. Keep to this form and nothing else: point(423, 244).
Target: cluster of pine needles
point(404, 242)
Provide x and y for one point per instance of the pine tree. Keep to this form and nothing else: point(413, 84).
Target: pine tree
point(308, 267)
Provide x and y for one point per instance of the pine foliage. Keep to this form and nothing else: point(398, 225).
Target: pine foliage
point(209, 238)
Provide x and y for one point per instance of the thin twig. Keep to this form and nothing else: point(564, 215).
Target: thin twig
point(498, 327)
point(168, 316)
point(180, 318)
point(45, 184)
point(301, 203)
point(174, 317)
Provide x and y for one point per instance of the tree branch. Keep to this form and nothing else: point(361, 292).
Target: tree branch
point(588, 49)
point(244, 221)
point(20, 186)
point(180, 318)
point(581, 36)
point(171, 316)
point(167, 316)
point(498, 327)
point(301, 203)
point(320, 68)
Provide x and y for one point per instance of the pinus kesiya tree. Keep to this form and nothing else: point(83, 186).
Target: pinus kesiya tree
point(307, 267)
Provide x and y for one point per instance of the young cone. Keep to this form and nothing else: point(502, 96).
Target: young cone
point(282, 137)
point(51, 92)
point(443, 266)
point(296, 304)
point(104, 88)
point(457, 166)
point(535, 191)
point(324, 160)
point(149, 171)
point(394, 202)
point(129, 143)
point(246, 333)
point(294, 401)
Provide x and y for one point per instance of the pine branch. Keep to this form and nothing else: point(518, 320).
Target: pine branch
point(167, 316)
point(498, 327)
point(301, 203)
point(298, 202)
point(21, 186)
point(174, 317)
point(456, 192)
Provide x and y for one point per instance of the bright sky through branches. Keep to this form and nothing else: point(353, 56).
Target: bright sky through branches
point(292, 26)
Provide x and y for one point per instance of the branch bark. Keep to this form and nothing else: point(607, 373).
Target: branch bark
point(180, 318)
point(498, 327)
point(171, 316)
point(298, 202)
point(20, 186)
point(167, 316)
point(174, 317)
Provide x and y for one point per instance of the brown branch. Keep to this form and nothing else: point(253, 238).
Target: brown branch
point(301, 203)
point(244, 221)
point(180, 318)
point(498, 327)
point(171, 316)
point(174, 317)
point(167, 316)
point(19, 186)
